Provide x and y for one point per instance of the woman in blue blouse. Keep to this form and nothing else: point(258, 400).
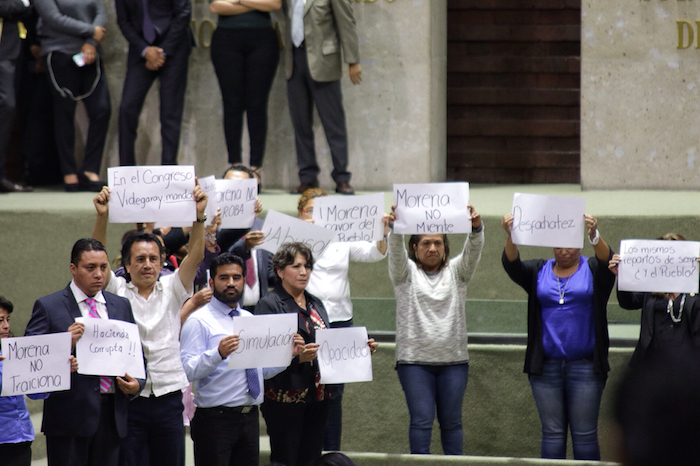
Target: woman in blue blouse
point(16, 430)
point(567, 343)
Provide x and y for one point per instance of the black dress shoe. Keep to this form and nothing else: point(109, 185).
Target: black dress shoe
point(7, 186)
point(343, 187)
point(71, 187)
point(303, 187)
point(86, 184)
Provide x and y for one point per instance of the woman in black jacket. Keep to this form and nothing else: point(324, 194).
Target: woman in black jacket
point(296, 403)
point(669, 320)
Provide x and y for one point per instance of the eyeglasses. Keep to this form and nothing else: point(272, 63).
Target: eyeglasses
point(309, 211)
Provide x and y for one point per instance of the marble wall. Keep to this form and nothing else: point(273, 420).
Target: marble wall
point(640, 102)
point(395, 118)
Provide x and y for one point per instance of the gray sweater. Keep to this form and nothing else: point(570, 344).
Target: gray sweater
point(65, 25)
point(431, 326)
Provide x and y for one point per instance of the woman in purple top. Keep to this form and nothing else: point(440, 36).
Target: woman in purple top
point(567, 343)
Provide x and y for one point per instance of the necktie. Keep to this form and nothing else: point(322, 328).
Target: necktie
point(105, 382)
point(251, 374)
point(250, 277)
point(149, 31)
point(298, 22)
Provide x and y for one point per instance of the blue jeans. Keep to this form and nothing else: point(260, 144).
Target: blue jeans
point(426, 387)
point(568, 394)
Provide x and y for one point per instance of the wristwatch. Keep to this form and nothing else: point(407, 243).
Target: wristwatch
point(202, 220)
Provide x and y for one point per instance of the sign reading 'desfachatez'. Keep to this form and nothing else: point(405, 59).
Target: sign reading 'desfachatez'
point(556, 222)
point(152, 194)
point(432, 208)
point(36, 364)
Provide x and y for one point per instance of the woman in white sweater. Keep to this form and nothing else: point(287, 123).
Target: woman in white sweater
point(431, 330)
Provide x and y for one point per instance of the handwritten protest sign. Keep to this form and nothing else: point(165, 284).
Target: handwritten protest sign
point(208, 185)
point(344, 355)
point(152, 194)
point(432, 208)
point(280, 228)
point(236, 199)
point(353, 218)
point(548, 220)
point(36, 364)
point(264, 341)
point(110, 347)
point(659, 266)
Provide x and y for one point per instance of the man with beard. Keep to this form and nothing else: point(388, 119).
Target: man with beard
point(225, 428)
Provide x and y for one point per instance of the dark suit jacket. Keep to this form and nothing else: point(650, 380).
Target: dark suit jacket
point(10, 42)
point(267, 277)
point(171, 19)
point(297, 375)
point(76, 412)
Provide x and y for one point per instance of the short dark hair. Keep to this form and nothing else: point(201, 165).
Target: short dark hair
point(415, 239)
point(140, 238)
point(286, 254)
point(240, 168)
point(6, 304)
point(226, 258)
point(82, 245)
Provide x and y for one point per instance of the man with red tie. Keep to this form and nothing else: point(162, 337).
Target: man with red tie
point(84, 425)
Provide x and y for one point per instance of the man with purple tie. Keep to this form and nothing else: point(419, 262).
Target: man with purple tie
point(225, 428)
point(84, 425)
point(160, 41)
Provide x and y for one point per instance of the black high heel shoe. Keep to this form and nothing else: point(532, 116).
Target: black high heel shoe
point(86, 184)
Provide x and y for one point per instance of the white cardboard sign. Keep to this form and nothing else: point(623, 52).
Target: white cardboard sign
point(208, 185)
point(161, 194)
point(659, 266)
point(353, 218)
point(36, 364)
point(344, 355)
point(280, 228)
point(551, 221)
point(236, 199)
point(432, 208)
point(110, 347)
point(264, 341)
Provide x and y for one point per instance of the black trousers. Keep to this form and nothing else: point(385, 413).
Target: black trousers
point(225, 437)
point(138, 80)
point(302, 93)
point(79, 80)
point(296, 431)
point(7, 108)
point(155, 427)
point(101, 449)
point(245, 61)
point(16, 454)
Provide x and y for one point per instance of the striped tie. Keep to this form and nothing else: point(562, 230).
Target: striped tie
point(251, 374)
point(105, 382)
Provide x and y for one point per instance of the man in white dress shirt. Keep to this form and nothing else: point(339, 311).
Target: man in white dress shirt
point(225, 428)
point(155, 419)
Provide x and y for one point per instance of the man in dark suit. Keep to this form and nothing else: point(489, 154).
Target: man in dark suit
point(260, 275)
point(10, 45)
point(83, 425)
point(316, 31)
point(160, 41)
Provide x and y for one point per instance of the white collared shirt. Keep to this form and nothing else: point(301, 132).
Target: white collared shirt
point(329, 278)
point(158, 318)
point(80, 298)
